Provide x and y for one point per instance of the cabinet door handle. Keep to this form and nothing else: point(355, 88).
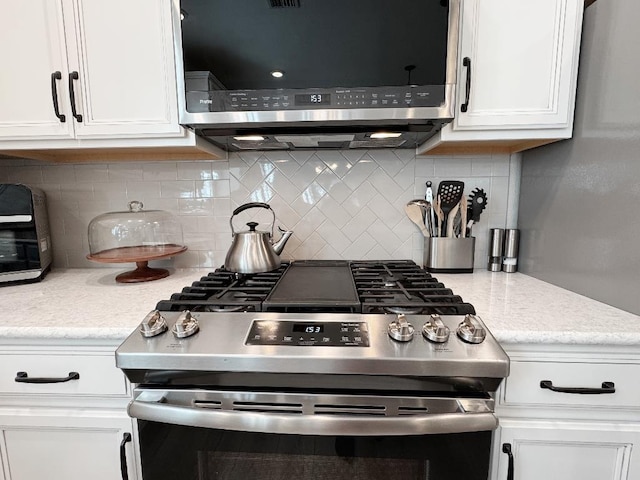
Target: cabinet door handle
point(54, 96)
point(72, 96)
point(123, 455)
point(506, 448)
point(466, 62)
point(23, 377)
point(607, 387)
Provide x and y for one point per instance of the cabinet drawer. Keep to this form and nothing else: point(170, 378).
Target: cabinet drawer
point(523, 384)
point(98, 374)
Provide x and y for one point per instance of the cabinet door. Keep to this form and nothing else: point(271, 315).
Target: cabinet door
point(123, 53)
point(566, 451)
point(68, 448)
point(32, 48)
point(523, 68)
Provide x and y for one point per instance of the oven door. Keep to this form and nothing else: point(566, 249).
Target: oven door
point(206, 435)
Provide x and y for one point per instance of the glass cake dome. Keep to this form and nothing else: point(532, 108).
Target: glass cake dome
point(137, 236)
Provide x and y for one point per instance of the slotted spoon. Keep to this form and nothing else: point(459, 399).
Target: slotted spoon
point(450, 193)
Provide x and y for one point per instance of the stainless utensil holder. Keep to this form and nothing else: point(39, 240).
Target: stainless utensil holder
point(449, 255)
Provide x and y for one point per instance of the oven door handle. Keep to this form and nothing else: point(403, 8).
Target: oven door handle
point(324, 425)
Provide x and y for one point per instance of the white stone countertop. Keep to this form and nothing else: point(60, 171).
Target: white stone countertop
point(518, 308)
point(89, 304)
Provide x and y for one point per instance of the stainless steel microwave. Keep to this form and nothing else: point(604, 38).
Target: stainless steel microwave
point(286, 74)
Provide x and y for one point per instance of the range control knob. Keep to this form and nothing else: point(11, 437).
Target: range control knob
point(471, 330)
point(400, 330)
point(153, 324)
point(435, 330)
point(185, 326)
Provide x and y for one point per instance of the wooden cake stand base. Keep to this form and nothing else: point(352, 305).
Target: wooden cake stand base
point(141, 255)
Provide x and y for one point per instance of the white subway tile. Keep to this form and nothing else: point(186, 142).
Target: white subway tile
point(340, 204)
point(194, 170)
point(143, 190)
point(29, 174)
point(63, 174)
point(307, 173)
point(159, 171)
point(178, 189)
point(282, 186)
point(500, 165)
point(359, 223)
point(360, 247)
point(302, 156)
point(333, 211)
point(195, 206)
point(481, 167)
point(360, 172)
point(336, 162)
point(91, 173)
point(425, 167)
point(452, 168)
point(360, 198)
point(78, 192)
point(125, 172)
point(222, 206)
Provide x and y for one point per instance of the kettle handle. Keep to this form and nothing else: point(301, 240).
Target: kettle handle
point(249, 205)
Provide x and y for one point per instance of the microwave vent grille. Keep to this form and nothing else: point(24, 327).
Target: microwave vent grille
point(284, 3)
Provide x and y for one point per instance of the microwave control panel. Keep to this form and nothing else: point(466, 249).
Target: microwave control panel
point(306, 99)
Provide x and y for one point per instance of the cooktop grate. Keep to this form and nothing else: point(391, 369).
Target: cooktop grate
point(317, 286)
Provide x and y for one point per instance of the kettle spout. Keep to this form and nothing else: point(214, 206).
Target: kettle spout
point(279, 245)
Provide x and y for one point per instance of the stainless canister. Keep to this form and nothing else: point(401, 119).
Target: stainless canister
point(496, 249)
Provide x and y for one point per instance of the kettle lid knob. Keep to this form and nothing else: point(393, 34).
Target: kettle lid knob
point(252, 226)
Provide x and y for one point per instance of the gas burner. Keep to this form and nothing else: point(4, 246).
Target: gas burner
point(392, 280)
point(403, 310)
point(225, 308)
point(316, 286)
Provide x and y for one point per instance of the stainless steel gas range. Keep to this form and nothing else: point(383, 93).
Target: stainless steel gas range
point(320, 369)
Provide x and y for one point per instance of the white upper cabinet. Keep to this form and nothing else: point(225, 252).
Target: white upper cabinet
point(33, 56)
point(83, 78)
point(107, 65)
point(122, 52)
point(517, 72)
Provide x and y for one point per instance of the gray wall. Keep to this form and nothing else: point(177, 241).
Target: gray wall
point(580, 198)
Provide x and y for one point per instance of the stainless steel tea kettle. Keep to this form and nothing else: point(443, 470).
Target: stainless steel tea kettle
point(252, 251)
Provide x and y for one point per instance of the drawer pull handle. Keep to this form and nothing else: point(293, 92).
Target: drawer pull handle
point(23, 377)
point(124, 470)
point(607, 387)
point(506, 448)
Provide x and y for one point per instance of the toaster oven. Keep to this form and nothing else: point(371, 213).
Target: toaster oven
point(25, 241)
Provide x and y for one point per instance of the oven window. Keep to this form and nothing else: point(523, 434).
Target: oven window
point(187, 453)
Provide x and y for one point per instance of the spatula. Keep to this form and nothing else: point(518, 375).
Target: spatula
point(450, 193)
point(414, 212)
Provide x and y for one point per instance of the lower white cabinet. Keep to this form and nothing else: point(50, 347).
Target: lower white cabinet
point(63, 413)
point(566, 450)
point(67, 445)
point(586, 428)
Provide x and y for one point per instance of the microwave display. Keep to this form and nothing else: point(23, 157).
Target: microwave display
point(313, 99)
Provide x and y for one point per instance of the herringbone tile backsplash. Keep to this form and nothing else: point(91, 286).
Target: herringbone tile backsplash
point(340, 204)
